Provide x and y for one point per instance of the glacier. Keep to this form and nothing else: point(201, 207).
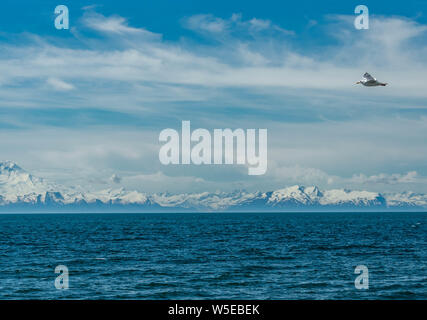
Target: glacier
point(20, 191)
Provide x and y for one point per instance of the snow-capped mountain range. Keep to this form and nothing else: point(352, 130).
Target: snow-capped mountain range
point(23, 192)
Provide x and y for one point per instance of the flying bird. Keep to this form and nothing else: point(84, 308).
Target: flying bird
point(370, 81)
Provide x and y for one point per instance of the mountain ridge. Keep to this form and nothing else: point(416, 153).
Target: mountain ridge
point(21, 191)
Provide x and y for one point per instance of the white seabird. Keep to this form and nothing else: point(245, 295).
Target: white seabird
point(370, 81)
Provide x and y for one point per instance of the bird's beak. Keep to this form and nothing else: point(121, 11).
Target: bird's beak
point(357, 82)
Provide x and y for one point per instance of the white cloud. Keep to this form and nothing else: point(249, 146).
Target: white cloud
point(206, 23)
point(214, 26)
point(300, 175)
point(59, 85)
point(383, 178)
point(260, 24)
point(160, 182)
point(115, 178)
point(314, 176)
point(112, 24)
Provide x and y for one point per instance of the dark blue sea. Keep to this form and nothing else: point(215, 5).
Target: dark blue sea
point(214, 255)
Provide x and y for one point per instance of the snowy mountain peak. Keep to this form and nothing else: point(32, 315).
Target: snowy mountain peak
point(291, 195)
point(9, 166)
point(16, 182)
point(11, 173)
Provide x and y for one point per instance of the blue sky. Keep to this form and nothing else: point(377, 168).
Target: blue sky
point(79, 105)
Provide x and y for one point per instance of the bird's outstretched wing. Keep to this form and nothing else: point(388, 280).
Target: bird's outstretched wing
point(368, 77)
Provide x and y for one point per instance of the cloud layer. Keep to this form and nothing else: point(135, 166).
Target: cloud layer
point(95, 103)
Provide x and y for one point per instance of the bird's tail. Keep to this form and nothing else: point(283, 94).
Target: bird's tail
point(384, 84)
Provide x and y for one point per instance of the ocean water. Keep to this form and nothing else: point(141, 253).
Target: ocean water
point(214, 255)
